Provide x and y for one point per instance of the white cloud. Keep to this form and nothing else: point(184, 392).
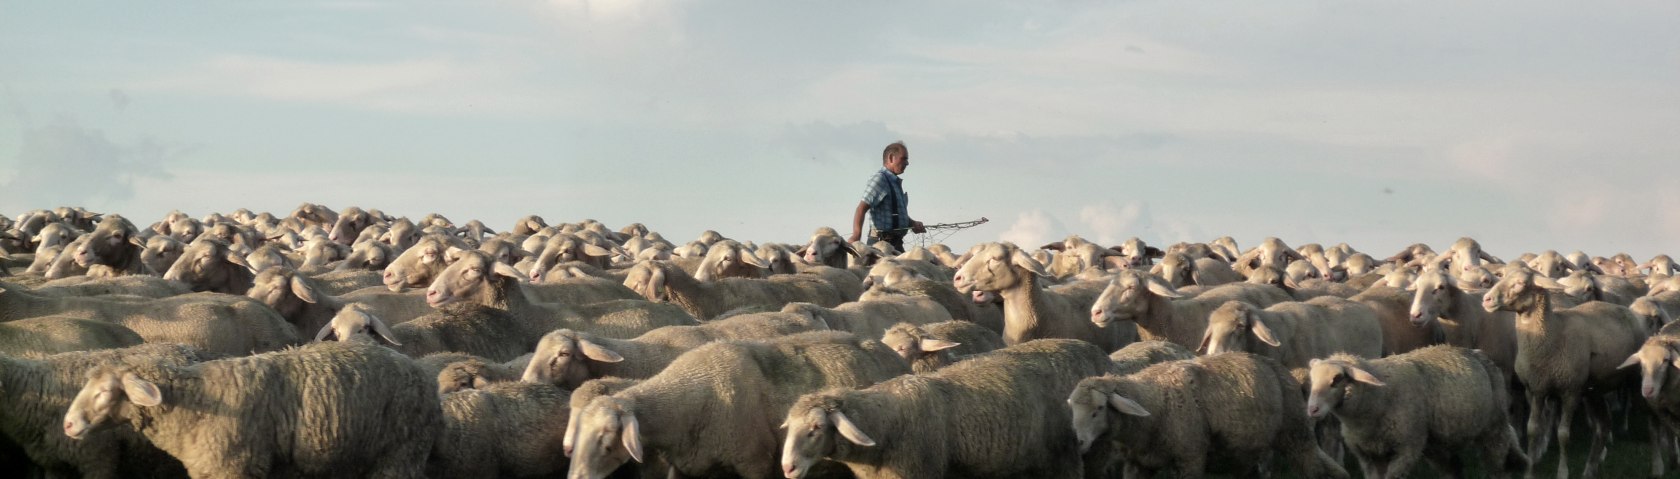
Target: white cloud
point(1034, 228)
point(1108, 224)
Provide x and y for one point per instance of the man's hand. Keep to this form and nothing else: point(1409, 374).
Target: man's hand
point(854, 237)
point(916, 227)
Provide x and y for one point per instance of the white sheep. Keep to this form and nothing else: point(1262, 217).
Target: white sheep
point(567, 358)
point(932, 346)
point(1031, 311)
point(1294, 333)
point(665, 282)
point(1150, 303)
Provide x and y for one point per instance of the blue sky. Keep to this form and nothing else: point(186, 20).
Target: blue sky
point(1528, 125)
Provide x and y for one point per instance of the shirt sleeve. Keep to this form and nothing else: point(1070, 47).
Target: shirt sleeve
point(875, 191)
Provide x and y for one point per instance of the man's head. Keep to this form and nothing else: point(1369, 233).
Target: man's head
point(896, 157)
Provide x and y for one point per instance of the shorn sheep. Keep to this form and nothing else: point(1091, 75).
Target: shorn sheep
point(316, 410)
point(997, 415)
point(1564, 358)
point(1426, 403)
point(1179, 414)
point(715, 409)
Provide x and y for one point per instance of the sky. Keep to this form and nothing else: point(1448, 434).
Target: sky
point(1528, 125)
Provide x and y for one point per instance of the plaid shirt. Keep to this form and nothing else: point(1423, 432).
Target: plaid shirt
point(879, 193)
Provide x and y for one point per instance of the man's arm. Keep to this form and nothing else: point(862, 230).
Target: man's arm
point(857, 222)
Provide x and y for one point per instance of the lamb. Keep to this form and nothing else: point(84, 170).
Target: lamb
point(1295, 333)
point(208, 265)
point(253, 416)
point(1437, 301)
point(714, 409)
point(1029, 311)
point(502, 430)
point(1563, 357)
point(1149, 301)
point(36, 392)
point(1180, 414)
point(665, 282)
point(479, 373)
point(1142, 354)
point(1427, 403)
point(871, 318)
point(214, 322)
point(567, 358)
point(960, 306)
point(44, 336)
point(309, 307)
point(1180, 271)
point(418, 265)
point(994, 415)
point(926, 348)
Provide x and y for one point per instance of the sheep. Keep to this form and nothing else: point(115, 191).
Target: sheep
point(479, 373)
point(993, 415)
point(928, 347)
point(729, 259)
point(367, 255)
point(185, 229)
point(47, 335)
point(1660, 266)
point(1142, 354)
point(1437, 301)
point(418, 265)
point(1622, 264)
point(264, 257)
point(1270, 252)
point(208, 265)
point(1302, 270)
point(114, 243)
point(713, 409)
point(1393, 306)
point(52, 241)
point(566, 248)
point(665, 282)
point(960, 306)
point(263, 414)
point(309, 307)
point(1359, 264)
point(1180, 271)
point(1295, 333)
point(892, 270)
point(1427, 403)
point(1135, 254)
point(502, 430)
point(871, 318)
point(1179, 414)
point(214, 322)
point(1563, 357)
point(1594, 287)
point(1029, 311)
point(349, 225)
point(315, 215)
point(36, 392)
point(1077, 256)
point(504, 250)
point(567, 358)
point(473, 276)
point(1551, 265)
point(403, 234)
point(826, 248)
point(1148, 301)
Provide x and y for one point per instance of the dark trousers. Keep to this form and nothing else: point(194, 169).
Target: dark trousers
point(894, 238)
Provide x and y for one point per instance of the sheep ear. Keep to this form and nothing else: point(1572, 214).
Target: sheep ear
point(382, 330)
point(1022, 259)
point(141, 392)
point(300, 287)
point(1153, 252)
point(1207, 337)
point(749, 258)
point(1057, 246)
point(1155, 270)
point(931, 345)
point(1258, 327)
point(1631, 360)
point(848, 430)
point(1365, 377)
point(598, 352)
point(593, 250)
point(480, 383)
point(325, 332)
point(508, 271)
point(1161, 288)
point(1126, 406)
point(632, 436)
point(850, 250)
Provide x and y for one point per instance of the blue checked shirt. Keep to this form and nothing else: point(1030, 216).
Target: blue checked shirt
point(883, 188)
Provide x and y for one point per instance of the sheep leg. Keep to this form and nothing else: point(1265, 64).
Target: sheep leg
point(1659, 441)
point(1537, 432)
point(1445, 462)
point(1566, 418)
point(1598, 415)
point(1402, 462)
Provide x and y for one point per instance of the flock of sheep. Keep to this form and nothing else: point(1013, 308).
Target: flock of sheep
point(353, 344)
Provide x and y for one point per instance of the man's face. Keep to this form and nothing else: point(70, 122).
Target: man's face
point(897, 163)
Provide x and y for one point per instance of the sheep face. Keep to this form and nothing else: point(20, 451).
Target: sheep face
point(1653, 314)
point(997, 267)
point(1128, 296)
point(108, 392)
point(1516, 293)
point(314, 214)
point(728, 259)
point(1551, 265)
point(1270, 252)
point(1654, 358)
point(106, 241)
point(355, 323)
point(647, 278)
point(1432, 294)
point(207, 265)
point(320, 251)
point(402, 235)
point(1328, 381)
point(1137, 254)
point(161, 252)
point(462, 375)
point(1229, 328)
point(812, 426)
point(778, 259)
point(1099, 404)
point(608, 436)
point(472, 276)
point(1359, 263)
point(1177, 269)
point(913, 344)
point(1077, 259)
point(503, 251)
point(889, 272)
point(1302, 270)
point(827, 249)
point(368, 255)
point(529, 225)
point(564, 248)
point(186, 230)
point(416, 267)
point(1582, 284)
point(565, 358)
point(349, 225)
point(55, 234)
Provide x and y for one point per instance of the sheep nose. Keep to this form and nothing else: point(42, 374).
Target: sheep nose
point(789, 471)
point(1096, 313)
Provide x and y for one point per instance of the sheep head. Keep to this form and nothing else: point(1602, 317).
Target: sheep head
point(356, 323)
point(470, 374)
point(283, 290)
point(913, 343)
point(567, 358)
point(1100, 404)
point(1433, 292)
point(417, 266)
point(608, 435)
point(473, 277)
point(1177, 269)
point(349, 225)
point(827, 248)
point(107, 242)
point(1136, 254)
point(1229, 327)
point(729, 259)
point(1654, 358)
point(1128, 296)
point(209, 265)
point(997, 267)
point(368, 255)
point(1516, 293)
point(161, 252)
point(109, 391)
point(1328, 380)
point(647, 278)
point(817, 426)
